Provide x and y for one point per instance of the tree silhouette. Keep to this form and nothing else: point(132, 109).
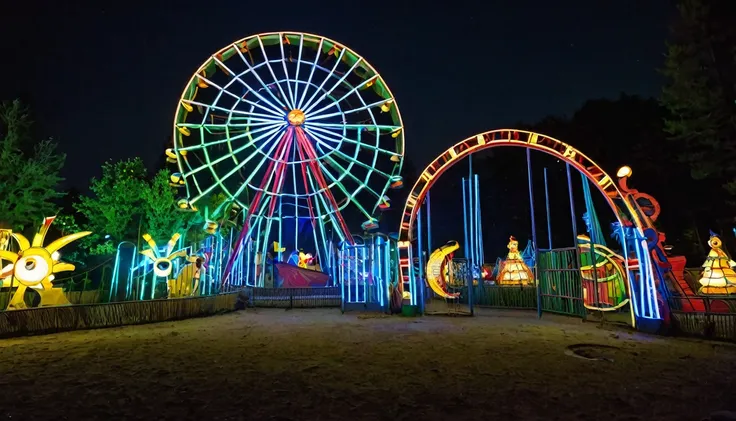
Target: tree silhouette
point(29, 171)
point(699, 96)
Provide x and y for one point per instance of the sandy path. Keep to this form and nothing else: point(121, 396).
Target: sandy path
point(318, 364)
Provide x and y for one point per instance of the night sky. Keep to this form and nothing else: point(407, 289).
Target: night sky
point(105, 80)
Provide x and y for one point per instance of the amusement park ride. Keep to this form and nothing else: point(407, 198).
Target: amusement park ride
point(298, 132)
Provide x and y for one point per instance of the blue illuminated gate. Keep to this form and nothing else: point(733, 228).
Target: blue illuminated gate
point(364, 271)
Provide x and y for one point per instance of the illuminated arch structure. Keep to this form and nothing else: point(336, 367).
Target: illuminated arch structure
point(649, 305)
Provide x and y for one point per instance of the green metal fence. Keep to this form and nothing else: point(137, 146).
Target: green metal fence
point(502, 296)
point(561, 286)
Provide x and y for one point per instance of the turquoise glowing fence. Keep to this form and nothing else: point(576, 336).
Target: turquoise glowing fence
point(364, 272)
point(96, 284)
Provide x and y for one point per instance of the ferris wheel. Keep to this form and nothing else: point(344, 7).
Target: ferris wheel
point(290, 127)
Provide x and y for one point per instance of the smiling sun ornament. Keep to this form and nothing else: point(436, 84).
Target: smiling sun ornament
point(34, 266)
point(163, 259)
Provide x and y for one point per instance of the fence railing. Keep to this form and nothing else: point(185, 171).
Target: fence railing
point(708, 317)
point(89, 316)
point(93, 286)
point(511, 297)
point(294, 297)
point(501, 296)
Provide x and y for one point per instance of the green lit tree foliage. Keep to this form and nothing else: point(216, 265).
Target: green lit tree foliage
point(126, 203)
point(114, 212)
point(700, 92)
point(29, 171)
point(162, 219)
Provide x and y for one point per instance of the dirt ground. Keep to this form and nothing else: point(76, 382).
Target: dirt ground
point(321, 365)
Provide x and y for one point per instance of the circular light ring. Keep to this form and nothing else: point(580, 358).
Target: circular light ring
point(274, 81)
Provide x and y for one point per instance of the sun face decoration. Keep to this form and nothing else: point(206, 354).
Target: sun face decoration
point(163, 262)
point(34, 266)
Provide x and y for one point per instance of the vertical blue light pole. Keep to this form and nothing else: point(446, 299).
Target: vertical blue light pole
point(477, 246)
point(534, 231)
point(281, 229)
point(429, 224)
point(466, 250)
point(478, 235)
point(573, 218)
point(549, 220)
point(471, 220)
point(341, 258)
point(419, 283)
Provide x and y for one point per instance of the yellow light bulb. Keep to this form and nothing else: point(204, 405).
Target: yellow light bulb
point(624, 171)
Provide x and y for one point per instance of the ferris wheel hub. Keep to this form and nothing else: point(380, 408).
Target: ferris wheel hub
point(296, 117)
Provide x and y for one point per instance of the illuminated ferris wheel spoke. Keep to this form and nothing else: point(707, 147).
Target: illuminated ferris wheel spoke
point(361, 183)
point(351, 140)
point(281, 167)
point(335, 181)
point(370, 147)
point(298, 67)
point(220, 180)
point(306, 179)
point(274, 117)
point(263, 84)
point(253, 173)
point(218, 127)
point(360, 163)
point(350, 159)
point(322, 84)
point(230, 139)
point(311, 74)
point(296, 197)
point(209, 189)
point(323, 143)
point(259, 202)
point(351, 111)
point(274, 110)
point(270, 69)
point(286, 72)
point(238, 166)
point(271, 133)
point(350, 197)
point(318, 217)
point(354, 90)
point(304, 144)
point(341, 80)
point(326, 154)
point(384, 128)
